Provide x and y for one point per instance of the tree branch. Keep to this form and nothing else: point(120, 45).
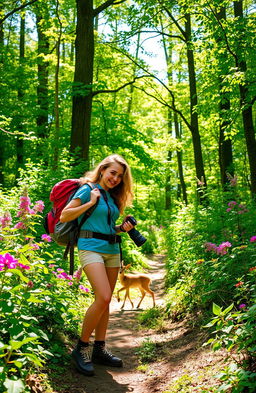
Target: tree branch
point(15, 10)
point(172, 107)
point(176, 23)
point(223, 31)
point(94, 93)
point(105, 5)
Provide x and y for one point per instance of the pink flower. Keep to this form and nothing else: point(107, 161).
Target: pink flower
point(25, 267)
point(20, 225)
point(242, 306)
point(210, 246)
point(39, 206)
point(64, 276)
point(7, 261)
point(222, 248)
point(52, 265)
point(35, 246)
point(232, 203)
point(228, 209)
point(46, 238)
point(78, 274)
point(253, 239)
point(6, 220)
point(83, 288)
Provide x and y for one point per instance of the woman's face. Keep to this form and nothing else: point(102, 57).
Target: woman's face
point(111, 176)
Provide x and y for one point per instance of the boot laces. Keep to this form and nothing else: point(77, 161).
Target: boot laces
point(106, 352)
point(85, 353)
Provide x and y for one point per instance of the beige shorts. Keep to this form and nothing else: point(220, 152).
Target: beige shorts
point(88, 257)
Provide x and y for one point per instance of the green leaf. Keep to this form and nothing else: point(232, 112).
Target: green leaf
point(17, 344)
point(17, 363)
point(216, 309)
point(18, 273)
point(14, 386)
point(33, 358)
point(229, 308)
point(33, 299)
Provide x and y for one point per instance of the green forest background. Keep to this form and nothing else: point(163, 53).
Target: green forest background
point(77, 84)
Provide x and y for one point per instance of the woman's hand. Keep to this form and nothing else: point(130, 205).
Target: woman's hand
point(126, 226)
point(95, 194)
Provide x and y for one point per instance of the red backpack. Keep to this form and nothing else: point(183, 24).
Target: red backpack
point(60, 195)
point(66, 233)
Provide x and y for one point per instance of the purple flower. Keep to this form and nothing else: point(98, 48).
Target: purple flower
point(242, 306)
point(253, 239)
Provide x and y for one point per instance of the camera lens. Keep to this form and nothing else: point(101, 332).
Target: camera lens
point(132, 220)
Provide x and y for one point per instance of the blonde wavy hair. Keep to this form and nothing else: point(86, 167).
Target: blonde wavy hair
point(122, 193)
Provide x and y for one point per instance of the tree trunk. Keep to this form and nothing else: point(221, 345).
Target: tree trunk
point(19, 143)
point(43, 73)
point(198, 156)
point(179, 159)
point(2, 139)
point(246, 106)
point(225, 144)
point(56, 96)
point(83, 78)
point(130, 98)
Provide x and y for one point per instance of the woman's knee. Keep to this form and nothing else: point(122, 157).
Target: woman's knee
point(103, 298)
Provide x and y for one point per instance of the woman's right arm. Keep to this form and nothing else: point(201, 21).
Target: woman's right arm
point(75, 208)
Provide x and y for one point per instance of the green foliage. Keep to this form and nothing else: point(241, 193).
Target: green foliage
point(147, 352)
point(37, 295)
point(151, 318)
point(235, 330)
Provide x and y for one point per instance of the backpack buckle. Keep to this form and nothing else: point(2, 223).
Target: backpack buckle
point(114, 239)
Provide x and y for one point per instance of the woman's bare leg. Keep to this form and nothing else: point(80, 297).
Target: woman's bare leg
point(101, 328)
point(98, 278)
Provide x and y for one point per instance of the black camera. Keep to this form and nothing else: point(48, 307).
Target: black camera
point(135, 235)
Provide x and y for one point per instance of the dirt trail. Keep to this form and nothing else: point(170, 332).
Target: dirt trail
point(179, 351)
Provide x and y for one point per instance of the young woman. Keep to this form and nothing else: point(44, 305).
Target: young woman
point(99, 251)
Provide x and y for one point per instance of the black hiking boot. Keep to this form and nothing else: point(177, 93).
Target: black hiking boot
point(81, 355)
point(100, 355)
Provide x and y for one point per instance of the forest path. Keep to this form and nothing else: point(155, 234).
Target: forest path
point(179, 351)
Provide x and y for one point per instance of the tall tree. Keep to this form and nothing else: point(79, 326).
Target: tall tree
point(43, 72)
point(83, 76)
point(246, 101)
point(225, 143)
point(20, 152)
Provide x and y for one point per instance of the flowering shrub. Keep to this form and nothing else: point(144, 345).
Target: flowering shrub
point(235, 331)
point(37, 296)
